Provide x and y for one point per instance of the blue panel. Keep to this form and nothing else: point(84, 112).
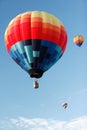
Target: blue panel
point(36, 44)
point(19, 56)
point(42, 56)
point(54, 51)
point(29, 53)
point(20, 47)
point(79, 44)
point(36, 53)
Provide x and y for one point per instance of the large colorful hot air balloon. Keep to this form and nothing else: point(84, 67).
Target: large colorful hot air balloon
point(78, 40)
point(35, 40)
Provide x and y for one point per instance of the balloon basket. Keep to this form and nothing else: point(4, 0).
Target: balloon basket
point(36, 84)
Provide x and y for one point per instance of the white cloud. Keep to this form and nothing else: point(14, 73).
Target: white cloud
point(78, 124)
point(22, 123)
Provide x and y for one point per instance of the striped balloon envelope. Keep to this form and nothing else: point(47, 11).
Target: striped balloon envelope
point(35, 40)
point(78, 40)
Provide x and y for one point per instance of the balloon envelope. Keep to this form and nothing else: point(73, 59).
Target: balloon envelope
point(65, 105)
point(78, 40)
point(35, 40)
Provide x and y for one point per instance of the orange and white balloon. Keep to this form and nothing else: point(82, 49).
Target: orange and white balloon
point(78, 40)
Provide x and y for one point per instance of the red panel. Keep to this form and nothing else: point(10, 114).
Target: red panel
point(25, 30)
point(25, 27)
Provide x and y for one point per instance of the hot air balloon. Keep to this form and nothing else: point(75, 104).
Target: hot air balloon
point(35, 40)
point(78, 40)
point(65, 105)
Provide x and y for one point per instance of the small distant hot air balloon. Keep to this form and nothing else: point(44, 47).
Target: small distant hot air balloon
point(78, 40)
point(35, 40)
point(65, 105)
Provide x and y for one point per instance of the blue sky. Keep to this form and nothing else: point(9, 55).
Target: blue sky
point(21, 106)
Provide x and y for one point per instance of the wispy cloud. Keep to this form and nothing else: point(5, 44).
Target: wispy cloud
point(22, 123)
